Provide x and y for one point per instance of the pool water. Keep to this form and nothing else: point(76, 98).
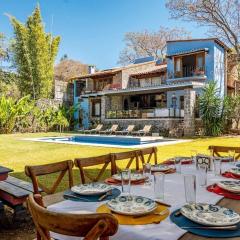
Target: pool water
point(109, 141)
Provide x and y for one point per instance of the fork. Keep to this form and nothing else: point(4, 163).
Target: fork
point(109, 193)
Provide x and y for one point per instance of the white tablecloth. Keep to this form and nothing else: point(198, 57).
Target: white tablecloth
point(174, 195)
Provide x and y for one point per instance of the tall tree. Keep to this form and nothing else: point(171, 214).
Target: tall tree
point(221, 16)
point(34, 53)
point(146, 43)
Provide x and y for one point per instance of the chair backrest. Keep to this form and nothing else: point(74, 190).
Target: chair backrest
point(99, 127)
point(130, 157)
point(218, 150)
point(89, 226)
point(130, 128)
point(114, 127)
point(82, 163)
point(40, 170)
point(149, 153)
point(147, 128)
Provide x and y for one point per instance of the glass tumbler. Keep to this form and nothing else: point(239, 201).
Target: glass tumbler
point(190, 188)
point(231, 154)
point(217, 166)
point(147, 173)
point(159, 179)
point(126, 181)
point(202, 174)
point(178, 164)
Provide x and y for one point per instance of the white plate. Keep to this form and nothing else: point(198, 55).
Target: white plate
point(91, 188)
point(132, 205)
point(134, 177)
point(235, 171)
point(210, 215)
point(231, 186)
point(160, 168)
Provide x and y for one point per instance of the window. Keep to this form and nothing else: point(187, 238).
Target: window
point(80, 87)
point(200, 60)
point(96, 108)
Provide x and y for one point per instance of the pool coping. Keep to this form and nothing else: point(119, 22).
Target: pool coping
point(170, 141)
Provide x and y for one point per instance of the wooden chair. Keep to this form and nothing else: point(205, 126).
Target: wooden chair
point(89, 226)
point(82, 163)
point(130, 157)
point(60, 167)
point(149, 153)
point(218, 150)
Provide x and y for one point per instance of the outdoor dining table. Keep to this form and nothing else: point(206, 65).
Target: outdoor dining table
point(174, 195)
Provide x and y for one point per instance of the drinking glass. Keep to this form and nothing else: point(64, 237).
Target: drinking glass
point(147, 173)
point(194, 154)
point(202, 174)
point(190, 188)
point(217, 166)
point(178, 164)
point(126, 181)
point(159, 179)
point(231, 154)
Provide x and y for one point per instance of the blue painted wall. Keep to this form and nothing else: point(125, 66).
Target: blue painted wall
point(84, 108)
point(214, 61)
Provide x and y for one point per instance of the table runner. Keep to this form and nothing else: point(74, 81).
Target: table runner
point(174, 195)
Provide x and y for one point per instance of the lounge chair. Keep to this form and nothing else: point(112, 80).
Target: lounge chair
point(143, 132)
point(111, 130)
point(94, 130)
point(126, 131)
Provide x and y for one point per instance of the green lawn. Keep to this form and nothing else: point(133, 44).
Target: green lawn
point(16, 153)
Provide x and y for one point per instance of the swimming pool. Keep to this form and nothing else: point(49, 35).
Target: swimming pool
point(109, 141)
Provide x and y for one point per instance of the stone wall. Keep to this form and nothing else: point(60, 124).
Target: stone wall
point(63, 91)
point(189, 112)
point(133, 69)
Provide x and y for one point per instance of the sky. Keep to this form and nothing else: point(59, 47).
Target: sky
point(92, 31)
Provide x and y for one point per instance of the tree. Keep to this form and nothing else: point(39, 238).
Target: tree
point(34, 53)
point(64, 57)
point(212, 110)
point(146, 43)
point(221, 16)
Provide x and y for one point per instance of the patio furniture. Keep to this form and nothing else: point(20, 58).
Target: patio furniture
point(94, 130)
point(83, 163)
point(89, 226)
point(218, 150)
point(149, 153)
point(111, 130)
point(126, 131)
point(60, 168)
point(127, 157)
point(4, 172)
point(14, 192)
point(143, 132)
point(174, 195)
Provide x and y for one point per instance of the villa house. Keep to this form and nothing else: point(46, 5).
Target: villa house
point(163, 94)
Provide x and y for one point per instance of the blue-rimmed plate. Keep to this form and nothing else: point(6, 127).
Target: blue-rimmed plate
point(91, 188)
point(231, 186)
point(134, 177)
point(235, 171)
point(132, 205)
point(161, 168)
point(210, 215)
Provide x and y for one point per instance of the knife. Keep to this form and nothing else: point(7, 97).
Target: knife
point(232, 227)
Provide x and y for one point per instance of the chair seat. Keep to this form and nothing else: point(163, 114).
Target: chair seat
point(53, 198)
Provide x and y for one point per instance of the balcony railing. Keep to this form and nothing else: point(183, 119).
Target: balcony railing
point(188, 71)
point(145, 84)
point(145, 113)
